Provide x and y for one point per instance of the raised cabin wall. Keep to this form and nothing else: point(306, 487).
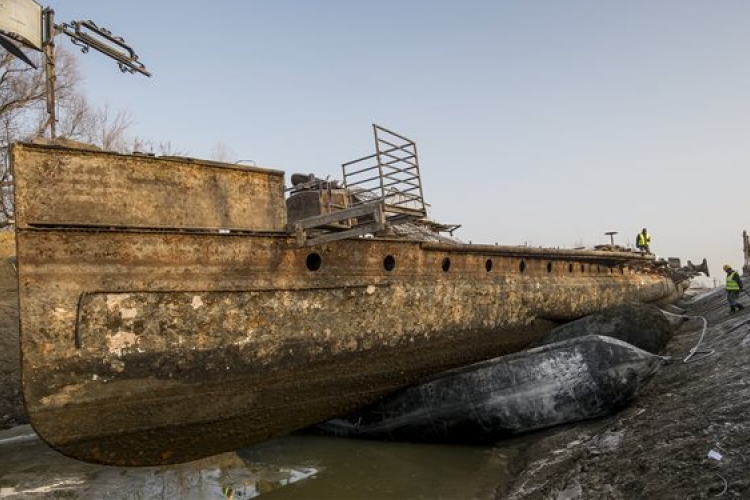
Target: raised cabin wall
point(69, 187)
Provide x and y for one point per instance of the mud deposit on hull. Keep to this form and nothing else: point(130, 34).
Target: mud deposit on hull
point(292, 467)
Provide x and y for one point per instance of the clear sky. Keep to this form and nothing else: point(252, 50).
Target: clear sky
point(547, 122)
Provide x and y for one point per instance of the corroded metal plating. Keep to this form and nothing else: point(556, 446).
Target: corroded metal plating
point(160, 336)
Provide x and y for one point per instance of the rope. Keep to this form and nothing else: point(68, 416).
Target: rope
point(726, 486)
point(694, 354)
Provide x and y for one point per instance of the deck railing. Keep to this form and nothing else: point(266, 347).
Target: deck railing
point(391, 175)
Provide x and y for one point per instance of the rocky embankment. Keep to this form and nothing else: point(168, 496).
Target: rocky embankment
point(687, 436)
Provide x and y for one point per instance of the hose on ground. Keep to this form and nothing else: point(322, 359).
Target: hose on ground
point(694, 354)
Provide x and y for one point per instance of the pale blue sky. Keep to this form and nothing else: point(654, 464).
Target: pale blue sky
point(547, 122)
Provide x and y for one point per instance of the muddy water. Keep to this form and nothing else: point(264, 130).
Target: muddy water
point(292, 467)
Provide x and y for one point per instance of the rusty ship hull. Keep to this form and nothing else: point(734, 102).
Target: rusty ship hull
point(167, 312)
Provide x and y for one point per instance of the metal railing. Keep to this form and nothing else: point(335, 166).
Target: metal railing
point(391, 175)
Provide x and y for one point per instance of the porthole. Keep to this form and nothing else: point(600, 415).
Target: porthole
point(389, 263)
point(446, 264)
point(314, 261)
point(488, 265)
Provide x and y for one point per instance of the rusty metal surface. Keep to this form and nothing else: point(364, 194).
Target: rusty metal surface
point(125, 333)
point(160, 346)
point(58, 186)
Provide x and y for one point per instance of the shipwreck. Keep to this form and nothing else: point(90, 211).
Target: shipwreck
point(174, 308)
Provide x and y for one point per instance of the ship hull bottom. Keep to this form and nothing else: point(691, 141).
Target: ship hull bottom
point(135, 418)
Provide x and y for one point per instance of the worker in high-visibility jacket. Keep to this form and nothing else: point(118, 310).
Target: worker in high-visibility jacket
point(643, 241)
point(734, 287)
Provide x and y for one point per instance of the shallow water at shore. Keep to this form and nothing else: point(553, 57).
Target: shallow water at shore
point(292, 467)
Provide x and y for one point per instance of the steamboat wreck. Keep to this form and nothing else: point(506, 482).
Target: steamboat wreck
point(173, 308)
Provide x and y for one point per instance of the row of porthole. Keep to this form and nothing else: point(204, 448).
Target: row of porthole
point(315, 261)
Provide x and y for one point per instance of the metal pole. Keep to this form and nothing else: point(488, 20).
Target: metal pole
point(746, 252)
point(49, 66)
point(380, 162)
